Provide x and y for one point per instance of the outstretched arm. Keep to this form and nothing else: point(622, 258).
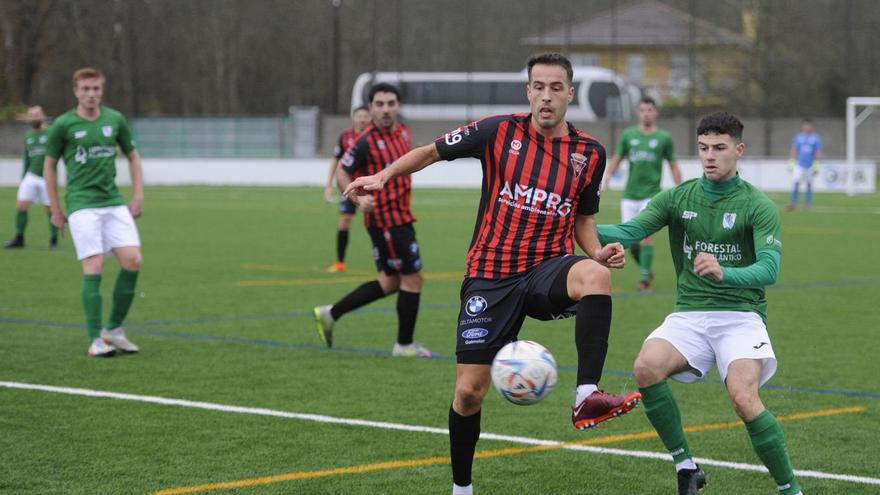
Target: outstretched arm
point(409, 163)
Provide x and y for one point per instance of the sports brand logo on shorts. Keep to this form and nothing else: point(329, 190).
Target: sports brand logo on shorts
point(107, 130)
point(578, 161)
point(728, 220)
point(475, 305)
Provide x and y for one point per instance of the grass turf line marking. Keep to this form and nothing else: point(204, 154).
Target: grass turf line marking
point(574, 445)
point(134, 329)
point(580, 445)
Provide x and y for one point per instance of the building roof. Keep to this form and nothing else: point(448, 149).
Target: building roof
point(641, 23)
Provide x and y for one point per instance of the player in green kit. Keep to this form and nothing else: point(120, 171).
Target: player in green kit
point(645, 147)
point(724, 236)
point(87, 138)
point(32, 188)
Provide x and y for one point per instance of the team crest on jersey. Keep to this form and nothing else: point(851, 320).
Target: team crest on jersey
point(380, 144)
point(43, 139)
point(515, 146)
point(578, 161)
point(107, 130)
point(728, 220)
point(653, 143)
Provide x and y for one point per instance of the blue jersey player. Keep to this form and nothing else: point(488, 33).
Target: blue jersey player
point(806, 150)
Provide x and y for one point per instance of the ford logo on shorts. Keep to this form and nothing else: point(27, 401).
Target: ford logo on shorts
point(474, 333)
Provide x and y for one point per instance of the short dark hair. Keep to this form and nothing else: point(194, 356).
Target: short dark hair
point(721, 123)
point(359, 108)
point(551, 58)
point(648, 100)
point(384, 88)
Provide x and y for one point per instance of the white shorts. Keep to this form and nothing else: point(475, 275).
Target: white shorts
point(803, 175)
point(33, 189)
point(629, 208)
point(705, 338)
point(99, 230)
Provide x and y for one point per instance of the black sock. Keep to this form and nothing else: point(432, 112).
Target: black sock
point(341, 244)
point(407, 310)
point(363, 295)
point(591, 328)
point(464, 431)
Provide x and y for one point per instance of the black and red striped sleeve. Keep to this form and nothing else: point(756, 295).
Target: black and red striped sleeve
point(356, 157)
point(588, 204)
point(469, 140)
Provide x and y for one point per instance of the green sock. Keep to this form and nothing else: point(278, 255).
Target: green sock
point(53, 230)
point(20, 222)
point(769, 443)
point(646, 260)
point(91, 301)
point(662, 411)
point(123, 294)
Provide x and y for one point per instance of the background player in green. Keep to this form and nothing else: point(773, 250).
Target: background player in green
point(724, 236)
point(100, 223)
point(32, 188)
point(645, 147)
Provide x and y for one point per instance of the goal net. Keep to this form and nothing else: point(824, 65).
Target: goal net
point(862, 131)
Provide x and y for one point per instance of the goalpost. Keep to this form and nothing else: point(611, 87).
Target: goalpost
point(852, 122)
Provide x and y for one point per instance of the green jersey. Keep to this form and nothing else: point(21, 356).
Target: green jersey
point(89, 151)
point(733, 220)
point(645, 155)
point(34, 151)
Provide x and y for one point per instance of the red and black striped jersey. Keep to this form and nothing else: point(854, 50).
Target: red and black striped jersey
point(532, 188)
point(374, 150)
point(346, 139)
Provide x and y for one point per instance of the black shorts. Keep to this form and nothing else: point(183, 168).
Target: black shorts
point(346, 206)
point(492, 311)
point(395, 249)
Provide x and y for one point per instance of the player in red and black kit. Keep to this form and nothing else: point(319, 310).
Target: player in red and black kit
point(541, 180)
point(388, 219)
point(360, 118)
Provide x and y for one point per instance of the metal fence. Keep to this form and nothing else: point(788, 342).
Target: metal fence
point(234, 137)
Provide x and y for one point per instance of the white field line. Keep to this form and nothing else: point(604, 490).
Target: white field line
point(210, 406)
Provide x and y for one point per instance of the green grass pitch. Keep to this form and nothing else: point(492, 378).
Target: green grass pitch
point(223, 316)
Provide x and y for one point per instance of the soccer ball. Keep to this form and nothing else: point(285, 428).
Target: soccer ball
point(524, 372)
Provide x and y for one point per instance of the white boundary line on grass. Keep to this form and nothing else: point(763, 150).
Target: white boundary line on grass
point(210, 406)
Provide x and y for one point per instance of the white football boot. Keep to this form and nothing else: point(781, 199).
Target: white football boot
point(117, 339)
point(99, 348)
point(416, 349)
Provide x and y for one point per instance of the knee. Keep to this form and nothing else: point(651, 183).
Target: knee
point(646, 372)
point(389, 285)
point(588, 278)
point(132, 263)
point(746, 403)
point(468, 399)
point(411, 282)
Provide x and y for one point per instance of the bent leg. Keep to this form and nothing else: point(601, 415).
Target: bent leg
point(743, 382)
point(589, 283)
point(657, 361)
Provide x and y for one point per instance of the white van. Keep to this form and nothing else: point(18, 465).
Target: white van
point(598, 94)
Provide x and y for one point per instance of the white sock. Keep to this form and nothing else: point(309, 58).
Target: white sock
point(685, 464)
point(584, 391)
point(462, 490)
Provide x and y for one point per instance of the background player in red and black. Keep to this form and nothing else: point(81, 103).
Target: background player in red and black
point(388, 219)
point(541, 180)
point(360, 119)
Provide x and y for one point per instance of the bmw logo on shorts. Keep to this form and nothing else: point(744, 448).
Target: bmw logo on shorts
point(475, 305)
